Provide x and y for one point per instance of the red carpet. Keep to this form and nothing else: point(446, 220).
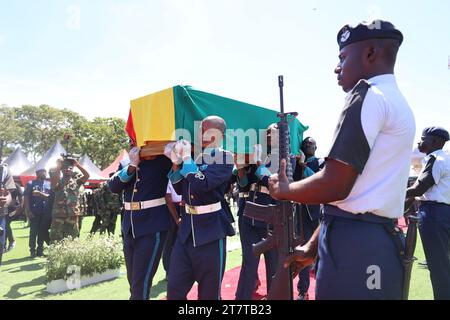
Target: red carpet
point(231, 278)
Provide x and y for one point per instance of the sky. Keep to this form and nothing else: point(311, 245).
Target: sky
point(94, 56)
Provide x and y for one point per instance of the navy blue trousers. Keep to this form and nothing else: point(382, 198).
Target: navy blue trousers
point(250, 235)
point(358, 259)
point(142, 256)
point(309, 215)
point(38, 232)
point(434, 230)
point(202, 264)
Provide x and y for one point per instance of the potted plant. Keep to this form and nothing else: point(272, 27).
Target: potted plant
point(74, 263)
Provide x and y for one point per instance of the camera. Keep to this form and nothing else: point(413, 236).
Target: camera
point(68, 160)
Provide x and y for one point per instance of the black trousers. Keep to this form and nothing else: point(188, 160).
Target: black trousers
point(96, 224)
point(8, 231)
point(38, 233)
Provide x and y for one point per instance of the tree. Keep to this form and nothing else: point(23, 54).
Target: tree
point(36, 129)
point(9, 130)
point(104, 138)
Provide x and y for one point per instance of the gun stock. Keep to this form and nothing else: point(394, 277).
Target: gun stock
point(281, 286)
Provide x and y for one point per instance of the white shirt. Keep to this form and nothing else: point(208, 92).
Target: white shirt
point(377, 141)
point(440, 192)
point(175, 196)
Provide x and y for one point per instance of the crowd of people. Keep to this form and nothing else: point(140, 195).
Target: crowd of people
point(347, 204)
point(55, 205)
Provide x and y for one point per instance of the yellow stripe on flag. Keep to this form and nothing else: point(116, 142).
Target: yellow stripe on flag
point(154, 117)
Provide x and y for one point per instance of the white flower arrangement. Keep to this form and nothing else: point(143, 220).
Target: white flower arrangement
point(85, 256)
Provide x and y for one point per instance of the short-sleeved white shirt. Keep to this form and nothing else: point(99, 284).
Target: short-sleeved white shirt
point(174, 195)
point(375, 136)
point(440, 192)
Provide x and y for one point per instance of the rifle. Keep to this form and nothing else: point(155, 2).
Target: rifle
point(408, 256)
point(280, 216)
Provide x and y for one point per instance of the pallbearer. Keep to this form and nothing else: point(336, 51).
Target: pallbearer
point(199, 252)
point(146, 217)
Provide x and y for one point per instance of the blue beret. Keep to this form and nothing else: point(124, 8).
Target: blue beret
point(437, 132)
point(377, 29)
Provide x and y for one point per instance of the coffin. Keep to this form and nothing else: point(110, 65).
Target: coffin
point(168, 115)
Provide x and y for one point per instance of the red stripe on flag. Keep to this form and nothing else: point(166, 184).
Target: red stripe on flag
point(129, 128)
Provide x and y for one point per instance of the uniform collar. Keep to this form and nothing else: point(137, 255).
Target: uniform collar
point(377, 80)
point(382, 79)
point(436, 153)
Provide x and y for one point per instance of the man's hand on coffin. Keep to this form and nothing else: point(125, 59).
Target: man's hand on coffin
point(183, 148)
point(134, 156)
point(172, 154)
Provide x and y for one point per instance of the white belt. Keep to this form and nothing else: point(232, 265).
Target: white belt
point(261, 189)
point(141, 205)
point(203, 209)
point(244, 194)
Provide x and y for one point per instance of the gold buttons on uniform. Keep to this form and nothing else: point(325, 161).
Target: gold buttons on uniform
point(135, 190)
point(192, 197)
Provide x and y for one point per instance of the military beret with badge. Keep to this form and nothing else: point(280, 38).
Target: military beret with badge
point(377, 29)
point(436, 132)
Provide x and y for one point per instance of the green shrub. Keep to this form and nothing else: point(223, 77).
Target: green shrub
point(91, 255)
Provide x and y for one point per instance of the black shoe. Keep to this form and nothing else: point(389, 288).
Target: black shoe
point(33, 255)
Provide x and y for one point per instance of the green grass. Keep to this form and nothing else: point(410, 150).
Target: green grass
point(23, 278)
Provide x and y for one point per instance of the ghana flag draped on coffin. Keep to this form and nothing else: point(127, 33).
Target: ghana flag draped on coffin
point(154, 119)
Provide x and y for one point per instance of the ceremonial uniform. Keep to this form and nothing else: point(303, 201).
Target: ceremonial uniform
point(253, 187)
point(199, 252)
point(145, 222)
point(434, 217)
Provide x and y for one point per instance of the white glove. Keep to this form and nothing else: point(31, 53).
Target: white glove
point(169, 152)
point(183, 149)
point(134, 156)
point(301, 157)
point(257, 153)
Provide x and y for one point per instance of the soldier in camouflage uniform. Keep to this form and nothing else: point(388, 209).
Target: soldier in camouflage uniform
point(109, 205)
point(92, 205)
point(66, 207)
point(82, 202)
